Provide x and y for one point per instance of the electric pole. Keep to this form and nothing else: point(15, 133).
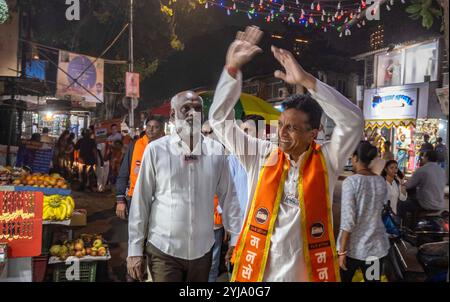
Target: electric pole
point(131, 66)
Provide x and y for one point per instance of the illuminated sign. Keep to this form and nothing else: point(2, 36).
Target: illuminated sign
point(392, 101)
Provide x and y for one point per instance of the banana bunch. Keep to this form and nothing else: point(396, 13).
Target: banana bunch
point(57, 207)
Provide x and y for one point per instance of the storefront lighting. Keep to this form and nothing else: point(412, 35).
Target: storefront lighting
point(48, 115)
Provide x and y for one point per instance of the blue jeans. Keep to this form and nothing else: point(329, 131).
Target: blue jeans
point(216, 252)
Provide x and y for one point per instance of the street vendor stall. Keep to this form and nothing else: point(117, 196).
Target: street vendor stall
point(53, 207)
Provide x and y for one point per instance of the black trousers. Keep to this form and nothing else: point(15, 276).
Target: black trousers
point(354, 264)
point(165, 268)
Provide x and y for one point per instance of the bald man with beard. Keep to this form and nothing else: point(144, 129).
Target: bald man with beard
point(171, 211)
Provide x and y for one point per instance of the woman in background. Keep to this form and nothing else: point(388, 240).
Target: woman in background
point(362, 238)
point(394, 182)
point(402, 153)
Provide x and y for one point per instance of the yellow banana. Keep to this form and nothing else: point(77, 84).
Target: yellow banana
point(69, 211)
point(45, 214)
point(50, 214)
point(57, 213)
point(71, 201)
point(63, 211)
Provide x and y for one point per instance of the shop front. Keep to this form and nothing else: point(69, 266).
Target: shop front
point(403, 115)
point(56, 121)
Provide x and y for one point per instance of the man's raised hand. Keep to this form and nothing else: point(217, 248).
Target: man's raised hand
point(244, 48)
point(294, 73)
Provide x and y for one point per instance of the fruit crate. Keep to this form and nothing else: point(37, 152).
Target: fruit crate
point(88, 272)
point(39, 268)
point(47, 239)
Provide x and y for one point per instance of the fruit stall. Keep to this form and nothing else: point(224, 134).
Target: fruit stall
point(52, 199)
point(86, 251)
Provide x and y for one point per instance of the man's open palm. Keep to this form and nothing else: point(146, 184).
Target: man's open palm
point(244, 48)
point(294, 73)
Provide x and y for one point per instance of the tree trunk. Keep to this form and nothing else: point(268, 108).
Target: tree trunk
point(444, 4)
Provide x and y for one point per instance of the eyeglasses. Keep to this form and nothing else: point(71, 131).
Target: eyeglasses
point(207, 132)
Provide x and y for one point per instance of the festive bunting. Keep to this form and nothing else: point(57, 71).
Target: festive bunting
point(322, 15)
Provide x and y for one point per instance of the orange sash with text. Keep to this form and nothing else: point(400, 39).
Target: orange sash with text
point(319, 248)
point(136, 159)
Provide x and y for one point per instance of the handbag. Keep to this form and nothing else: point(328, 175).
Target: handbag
point(390, 220)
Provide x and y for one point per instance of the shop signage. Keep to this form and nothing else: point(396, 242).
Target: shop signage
point(132, 85)
point(388, 104)
point(103, 128)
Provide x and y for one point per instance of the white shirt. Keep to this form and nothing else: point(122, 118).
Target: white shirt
point(180, 219)
point(286, 258)
point(395, 194)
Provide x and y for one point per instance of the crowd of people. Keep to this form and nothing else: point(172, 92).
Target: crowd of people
point(270, 203)
point(92, 163)
point(409, 156)
point(188, 194)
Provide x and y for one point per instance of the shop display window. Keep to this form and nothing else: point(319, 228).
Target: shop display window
point(415, 64)
point(421, 63)
point(389, 71)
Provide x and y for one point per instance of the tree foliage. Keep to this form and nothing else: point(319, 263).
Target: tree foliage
point(427, 10)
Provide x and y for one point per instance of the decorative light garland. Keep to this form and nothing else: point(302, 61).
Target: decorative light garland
point(4, 11)
point(321, 15)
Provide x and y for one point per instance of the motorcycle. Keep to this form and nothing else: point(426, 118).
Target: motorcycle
point(419, 249)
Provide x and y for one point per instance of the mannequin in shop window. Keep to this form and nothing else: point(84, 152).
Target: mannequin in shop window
point(379, 141)
point(434, 136)
point(412, 156)
point(402, 153)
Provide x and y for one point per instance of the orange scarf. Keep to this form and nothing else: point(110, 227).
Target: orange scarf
point(217, 215)
point(136, 159)
point(253, 246)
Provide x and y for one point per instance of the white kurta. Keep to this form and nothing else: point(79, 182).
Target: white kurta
point(173, 201)
point(286, 255)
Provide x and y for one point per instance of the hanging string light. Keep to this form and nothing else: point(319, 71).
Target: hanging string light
point(321, 15)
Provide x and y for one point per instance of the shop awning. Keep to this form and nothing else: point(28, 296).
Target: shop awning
point(372, 124)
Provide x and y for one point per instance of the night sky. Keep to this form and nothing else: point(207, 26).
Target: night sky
point(206, 35)
point(201, 63)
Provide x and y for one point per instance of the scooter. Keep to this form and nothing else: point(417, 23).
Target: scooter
point(420, 253)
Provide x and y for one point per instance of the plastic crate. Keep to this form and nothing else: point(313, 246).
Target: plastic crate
point(39, 268)
point(88, 272)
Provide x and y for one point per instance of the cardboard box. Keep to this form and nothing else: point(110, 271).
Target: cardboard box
point(79, 218)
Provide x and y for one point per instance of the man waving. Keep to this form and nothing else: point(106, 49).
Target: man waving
point(287, 234)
